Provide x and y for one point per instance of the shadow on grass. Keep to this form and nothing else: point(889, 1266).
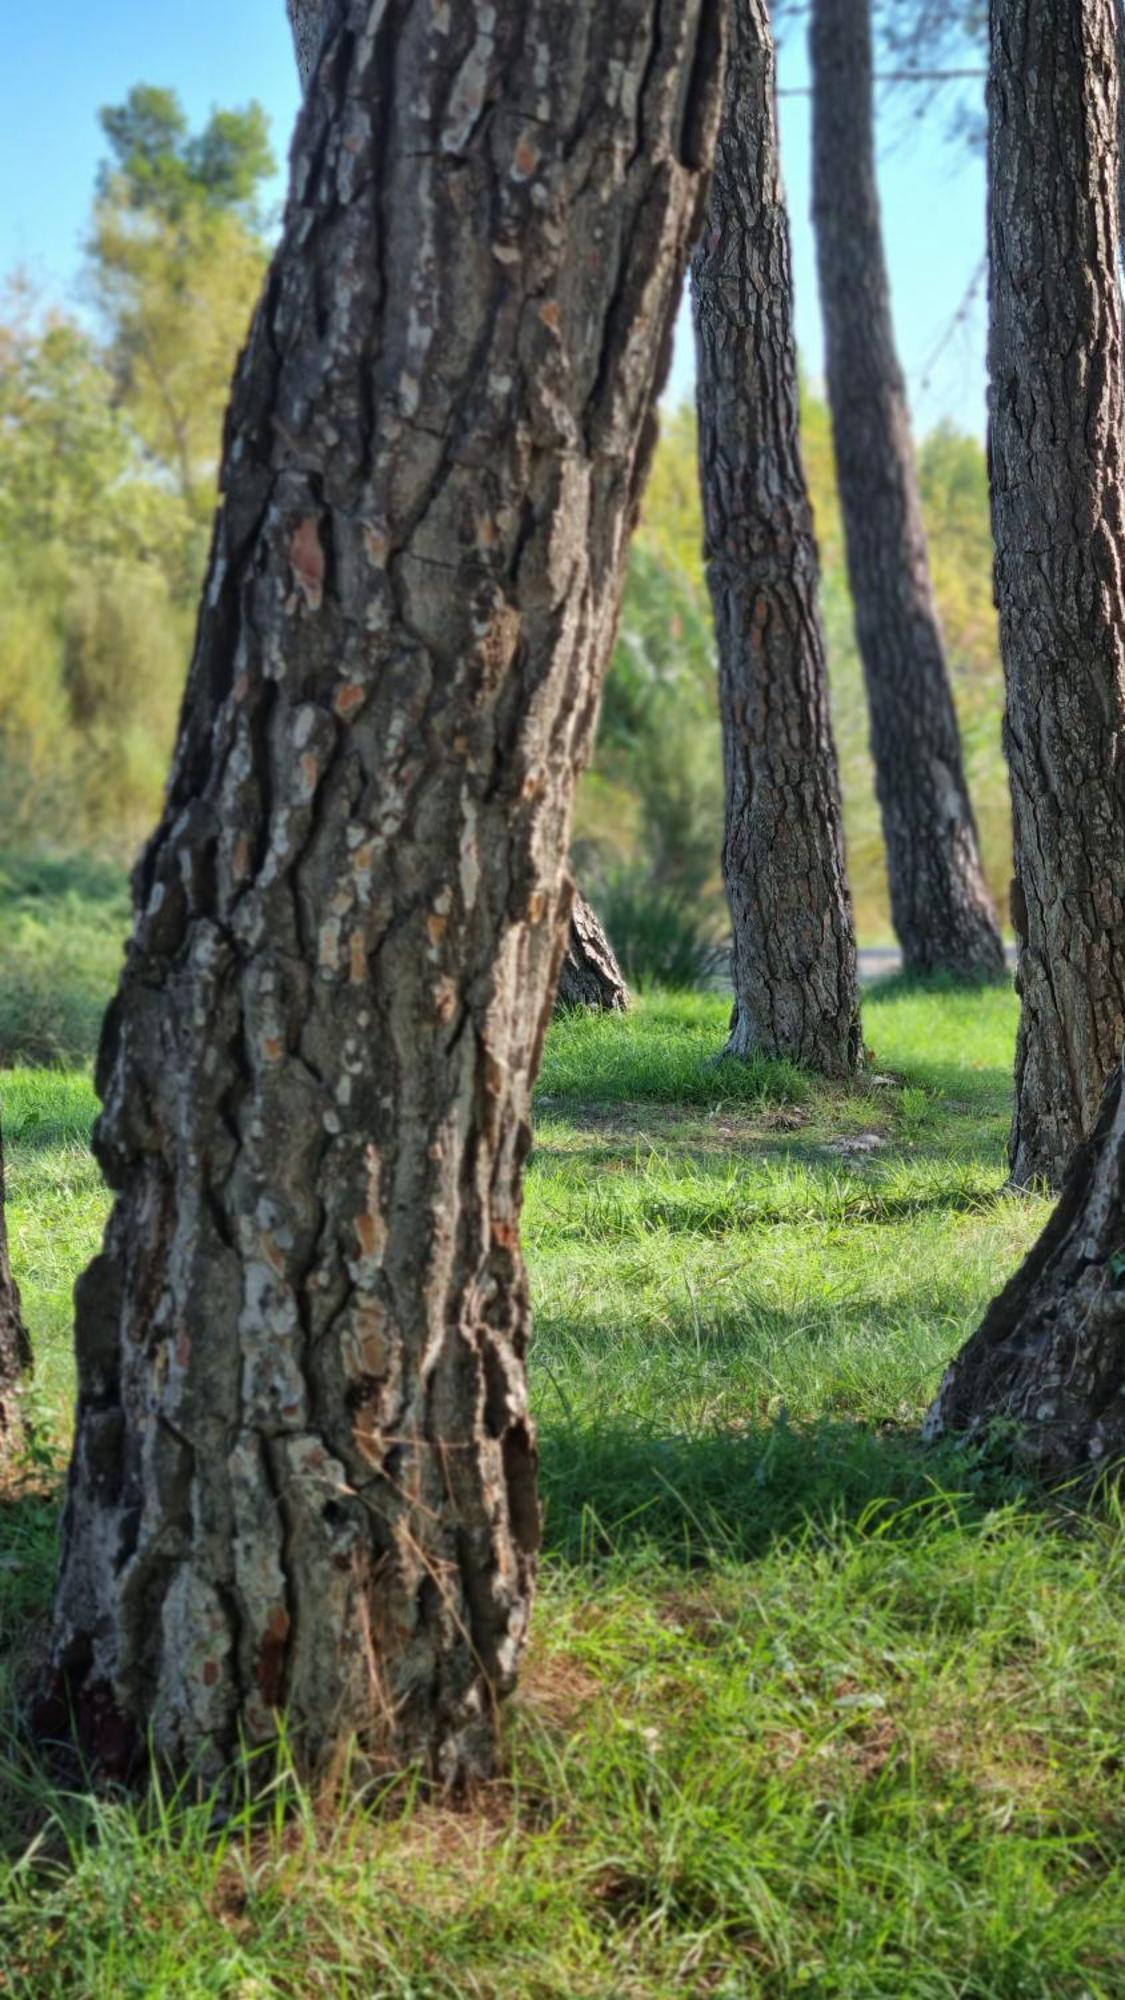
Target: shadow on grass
point(984, 1090)
point(856, 1202)
point(46, 878)
point(930, 985)
point(30, 1510)
point(610, 1491)
point(47, 1135)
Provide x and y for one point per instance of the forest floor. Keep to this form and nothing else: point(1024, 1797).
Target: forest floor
point(808, 1707)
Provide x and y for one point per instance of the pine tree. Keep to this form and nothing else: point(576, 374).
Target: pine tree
point(794, 961)
point(942, 910)
point(304, 1472)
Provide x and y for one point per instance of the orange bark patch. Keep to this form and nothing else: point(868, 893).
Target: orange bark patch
point(374, 1347)
point(348, 698)
point(306, 554)
point(550, 315)
point(370, 1232)
point(273, 1253)
point(376, 543)
point(445, 999)
point(527, 157)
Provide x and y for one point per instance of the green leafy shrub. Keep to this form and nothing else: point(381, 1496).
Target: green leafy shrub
point(660, 938)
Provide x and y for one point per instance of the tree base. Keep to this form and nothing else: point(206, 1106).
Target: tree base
point(591, 976)
point(1048, 1360)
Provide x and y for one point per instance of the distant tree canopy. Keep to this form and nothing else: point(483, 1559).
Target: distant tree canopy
point(161, 168)
point(108, 454)
point(177, 257)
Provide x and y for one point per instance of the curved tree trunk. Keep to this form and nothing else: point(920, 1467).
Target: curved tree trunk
point(942, 910)
point(304, 1470)
point(591, 976)
point(1058, 471)
point(794, 958)
point(1049, 1357)
point(15, 1347)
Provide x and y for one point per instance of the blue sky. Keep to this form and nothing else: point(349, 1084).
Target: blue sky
point(63, 62)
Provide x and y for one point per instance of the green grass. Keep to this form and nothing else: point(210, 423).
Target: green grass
point(808, 1709)
point(60, 952)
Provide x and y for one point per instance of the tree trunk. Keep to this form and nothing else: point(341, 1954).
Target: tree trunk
point(794, 958)
point(1057, 471)
point(942, 910)
point(591, 976)
point(1049, 1357)
point(304, 1471)
point(15, 1347)
point(308, 19)
point(1119, 34)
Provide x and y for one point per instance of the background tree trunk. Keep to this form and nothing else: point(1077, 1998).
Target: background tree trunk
point(591, 976)
point(15, 1347)
point(1049, 1356)
point(794, 959)
point(942, 910)
point(304, 1470)
point(1056, 410)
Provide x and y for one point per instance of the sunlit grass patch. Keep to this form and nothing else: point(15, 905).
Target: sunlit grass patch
point(665, 1052)
point(808, 1707)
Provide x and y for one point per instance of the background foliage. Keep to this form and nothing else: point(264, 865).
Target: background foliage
point(651, 808)
point(109, 442)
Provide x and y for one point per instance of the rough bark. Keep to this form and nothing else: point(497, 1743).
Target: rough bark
point(1049, 1357)
point(591, 976)
point(304, 1469)
point(1056, 411)
point(794, 955)
point(308, 19)
point(943, 913)
point(15, 1347)
point(1119, 32)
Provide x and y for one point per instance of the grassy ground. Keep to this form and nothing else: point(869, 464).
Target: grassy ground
point(807, 1710)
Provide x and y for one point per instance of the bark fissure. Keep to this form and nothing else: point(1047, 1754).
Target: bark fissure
point(794, 958)
point(942, 911)
point(316, 1076)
